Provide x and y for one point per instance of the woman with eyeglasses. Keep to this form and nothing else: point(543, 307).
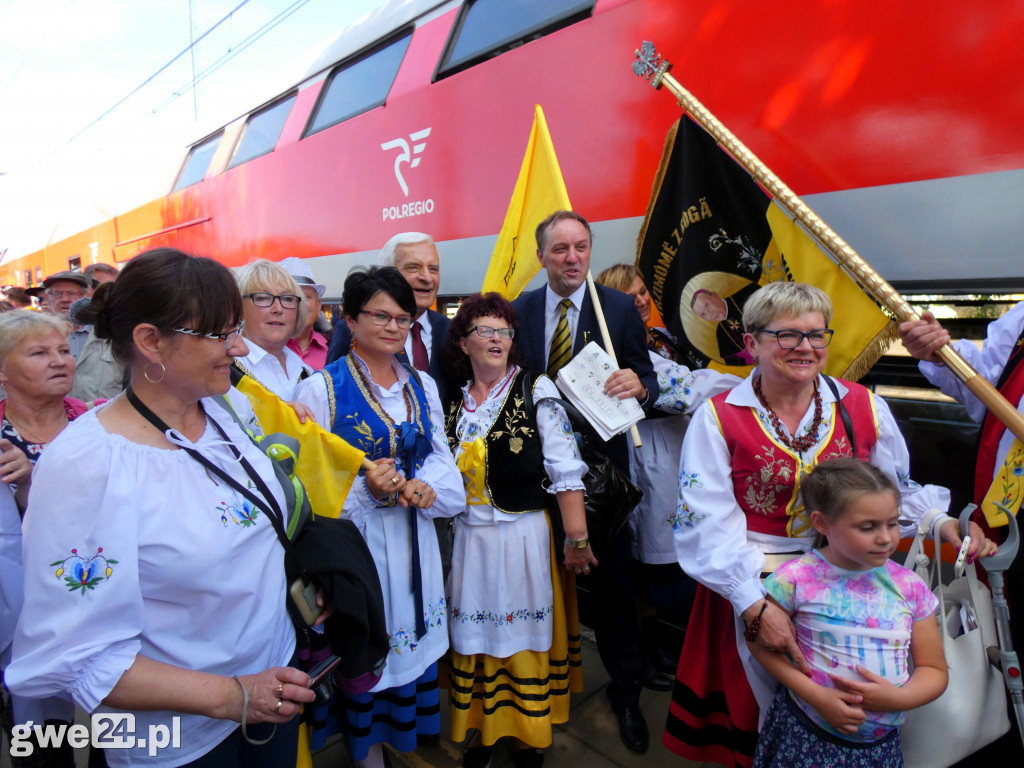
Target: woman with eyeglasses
point(392, 413)
point(513, 619)
point(152, 585)
point(274, 311)
point(740, 513)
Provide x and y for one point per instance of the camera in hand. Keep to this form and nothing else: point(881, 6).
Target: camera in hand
point(321, 683)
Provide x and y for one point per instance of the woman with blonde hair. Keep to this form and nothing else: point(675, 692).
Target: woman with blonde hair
point(37, 371)
point(741, 514)
point(274, 310)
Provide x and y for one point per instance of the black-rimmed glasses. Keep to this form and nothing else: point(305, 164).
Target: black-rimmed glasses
point(790, 338)
point(225, 338)
point(288, 300)
point(383, 318)
point(486, 332)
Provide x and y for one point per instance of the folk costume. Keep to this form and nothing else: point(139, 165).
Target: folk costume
point(999, 471)
point(738, 502)
point(153, 555)
point(512, 614)
point(680, 391)
point(402, 422)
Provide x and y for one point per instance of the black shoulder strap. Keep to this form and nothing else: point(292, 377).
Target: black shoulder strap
point(268, 504)
point(843, 414)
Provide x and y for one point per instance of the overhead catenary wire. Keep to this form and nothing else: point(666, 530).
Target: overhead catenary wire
point(229, 55)
point(148, 80)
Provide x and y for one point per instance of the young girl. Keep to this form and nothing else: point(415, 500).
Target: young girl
point(858, 618)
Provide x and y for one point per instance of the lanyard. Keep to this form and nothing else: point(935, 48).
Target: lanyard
point(268, 504)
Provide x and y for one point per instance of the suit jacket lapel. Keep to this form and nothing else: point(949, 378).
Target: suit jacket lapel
point(534, 320)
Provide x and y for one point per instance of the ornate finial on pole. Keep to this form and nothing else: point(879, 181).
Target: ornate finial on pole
point(649, 62)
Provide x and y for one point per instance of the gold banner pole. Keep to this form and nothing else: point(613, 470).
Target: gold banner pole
point(650, 65)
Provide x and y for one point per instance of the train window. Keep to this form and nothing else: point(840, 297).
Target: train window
point(75, 263)
point(197, 163)
point(261, 132)
point(487, 28)
point(360, 85)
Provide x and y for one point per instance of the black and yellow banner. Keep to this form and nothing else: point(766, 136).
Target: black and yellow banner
point(713, 236)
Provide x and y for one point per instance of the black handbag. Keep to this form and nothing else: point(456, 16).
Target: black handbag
point(609, 497)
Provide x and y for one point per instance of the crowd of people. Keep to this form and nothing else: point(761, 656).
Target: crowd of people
point(141, 573)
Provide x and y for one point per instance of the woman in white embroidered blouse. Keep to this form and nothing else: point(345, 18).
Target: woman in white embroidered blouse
point(743, 457)
point(512, 607)
point(151, 586)
point(394, 415)
point(275, 309)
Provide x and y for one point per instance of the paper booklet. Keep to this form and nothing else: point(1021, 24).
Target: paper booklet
point(582, 382)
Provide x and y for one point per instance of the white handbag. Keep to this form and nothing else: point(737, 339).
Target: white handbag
point(972, 711)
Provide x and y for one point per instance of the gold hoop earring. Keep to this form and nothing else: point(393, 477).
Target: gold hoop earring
point(163, 372)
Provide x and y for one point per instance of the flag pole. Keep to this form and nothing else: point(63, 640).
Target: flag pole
point(603, 326)
point(651, 65)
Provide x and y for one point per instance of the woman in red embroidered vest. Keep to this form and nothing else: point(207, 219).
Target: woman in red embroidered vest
point(739, 509)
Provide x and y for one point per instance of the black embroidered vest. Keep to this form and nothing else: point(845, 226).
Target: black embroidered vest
point(514, 471)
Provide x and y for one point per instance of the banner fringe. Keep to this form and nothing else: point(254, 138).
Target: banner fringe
point(871, 353)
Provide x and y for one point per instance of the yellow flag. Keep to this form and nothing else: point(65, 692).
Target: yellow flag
point(327, 465)
point(864, 333)
point(540, 191)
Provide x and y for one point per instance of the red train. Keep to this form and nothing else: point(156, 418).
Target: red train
point(901, 125)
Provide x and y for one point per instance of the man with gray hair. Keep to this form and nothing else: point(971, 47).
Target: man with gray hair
point(415, 256)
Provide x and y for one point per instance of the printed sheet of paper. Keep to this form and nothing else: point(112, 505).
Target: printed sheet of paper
point(582, 381)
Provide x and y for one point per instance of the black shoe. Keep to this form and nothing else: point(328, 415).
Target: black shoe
point(528, 758)
point(632, 728)
point(476, 757)
point(664, 660)
point(653, 678)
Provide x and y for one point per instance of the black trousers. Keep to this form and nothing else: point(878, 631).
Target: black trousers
point(615, 621)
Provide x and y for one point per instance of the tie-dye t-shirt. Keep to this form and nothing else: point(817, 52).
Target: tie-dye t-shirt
point(845, 618)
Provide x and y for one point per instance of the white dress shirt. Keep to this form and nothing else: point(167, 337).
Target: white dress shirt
point(427, 335)
point(268, 371)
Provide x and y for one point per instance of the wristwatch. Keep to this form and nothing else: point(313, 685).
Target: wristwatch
point(578, 543)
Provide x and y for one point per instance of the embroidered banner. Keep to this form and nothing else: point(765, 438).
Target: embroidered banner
point(712, 237)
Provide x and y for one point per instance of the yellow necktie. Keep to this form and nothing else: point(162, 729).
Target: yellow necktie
point(561, 344)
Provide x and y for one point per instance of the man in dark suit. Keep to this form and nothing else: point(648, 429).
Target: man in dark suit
point(545, 316)
point(415, 256)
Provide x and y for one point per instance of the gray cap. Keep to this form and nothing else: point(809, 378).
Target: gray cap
point(74, 277)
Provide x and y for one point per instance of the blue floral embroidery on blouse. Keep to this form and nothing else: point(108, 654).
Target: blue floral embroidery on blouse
point(905, 481)
point(673, 392)
point(84, 573)
point(501, 619)
point(689, 480)
point(405, 640)
point(243, 512)
point(683, 517)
